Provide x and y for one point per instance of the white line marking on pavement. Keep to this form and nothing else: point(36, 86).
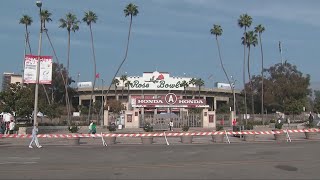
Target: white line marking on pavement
point(4, 163)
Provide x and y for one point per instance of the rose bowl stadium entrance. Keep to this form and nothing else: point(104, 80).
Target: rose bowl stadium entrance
point(161, 110)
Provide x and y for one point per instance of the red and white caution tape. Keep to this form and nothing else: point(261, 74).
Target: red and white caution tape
point(170, 134)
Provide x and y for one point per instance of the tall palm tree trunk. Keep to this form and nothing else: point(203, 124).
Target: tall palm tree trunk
point(224, 70)
point(55, 55)
point(95, 72)
point(67, 79)
point(244, 75)
point(122, 92)
point(27, 39)
point(262, 78)
point(251, 86)
point(124, 59)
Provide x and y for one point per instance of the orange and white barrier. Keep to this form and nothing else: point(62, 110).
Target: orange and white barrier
point(170, 134)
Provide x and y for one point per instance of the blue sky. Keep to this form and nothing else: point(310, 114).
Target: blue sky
point(168, 35)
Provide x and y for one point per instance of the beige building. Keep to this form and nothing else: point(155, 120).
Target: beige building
point(156, 93)
point(10, 78)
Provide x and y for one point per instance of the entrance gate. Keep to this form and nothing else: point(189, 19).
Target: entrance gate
point(162, 120)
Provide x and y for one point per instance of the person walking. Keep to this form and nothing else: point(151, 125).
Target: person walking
point(90, 127)
point(171, 125)
point(11, 127)
point(7, 127)
point(34, 137)
point(94, 128)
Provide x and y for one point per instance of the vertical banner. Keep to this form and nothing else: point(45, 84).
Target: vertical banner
point(30, 69)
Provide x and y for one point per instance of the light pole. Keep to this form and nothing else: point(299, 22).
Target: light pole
point(35, 111)
point(234, 97)
point(102, 104)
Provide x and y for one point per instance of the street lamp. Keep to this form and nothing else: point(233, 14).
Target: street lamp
point(35, 111)
point(234, 97)
point(102, 104)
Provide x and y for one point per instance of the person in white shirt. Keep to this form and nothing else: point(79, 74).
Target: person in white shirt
point(11, 127)
point(34, 136)
point(171, 125)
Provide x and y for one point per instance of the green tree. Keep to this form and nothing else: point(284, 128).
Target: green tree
point(217, 31)
point(199, 83)
point(316, 101)
point(52, 110)
point(185, 85)
point(260, 29)
point(285, 88)
point(127, 85)
point(116, 83)
point(245, 22)
point(192, 82)
point(123, 78)
point(89, 18)
point(45, 17)
point(27, 21)
point(115, 106)
point(18, 99)
point(251, 40)
point(130, 10)
point(71, 24)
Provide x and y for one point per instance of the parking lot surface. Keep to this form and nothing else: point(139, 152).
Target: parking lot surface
point(296, 160)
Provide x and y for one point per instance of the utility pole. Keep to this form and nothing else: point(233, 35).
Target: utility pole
point(234, 98)
point(102, 103)
point(35, 111)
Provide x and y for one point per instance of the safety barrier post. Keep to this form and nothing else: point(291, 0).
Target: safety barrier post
point(227, 136)
point(288, 136)
point(165, 137)
point(103, 141)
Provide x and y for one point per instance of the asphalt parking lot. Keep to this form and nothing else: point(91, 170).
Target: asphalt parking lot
point(296, 160)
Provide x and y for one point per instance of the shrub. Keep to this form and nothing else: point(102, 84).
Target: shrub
point(278, 125)
point(112, 127)
point(310, 124)
point(249, 126)
point(272, 121)
point(147, 127)
point(73, 129)
point(185, 128)
point(219, 128)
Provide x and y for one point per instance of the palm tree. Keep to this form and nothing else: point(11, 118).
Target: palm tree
point(90, 17)
point(184, 84)
point(45, 17)
point(245, 22)
point(192, 82)
point(217, 31)
point(260, 29)
point(199, 83)
point(27, 21)
point(250, 39)
point(70, 23)
point(130, 10)
point(123, 78)
point(128, 84)
point(116, 83)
